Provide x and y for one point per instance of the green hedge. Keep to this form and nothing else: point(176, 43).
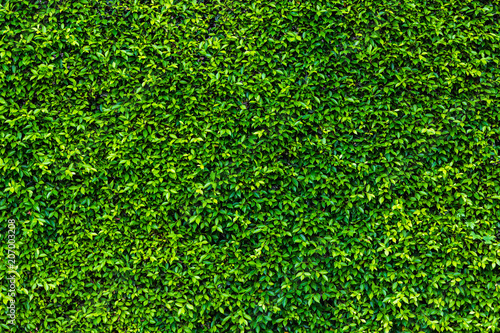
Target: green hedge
point(251, 166)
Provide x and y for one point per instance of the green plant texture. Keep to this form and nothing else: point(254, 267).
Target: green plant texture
point(251, 166)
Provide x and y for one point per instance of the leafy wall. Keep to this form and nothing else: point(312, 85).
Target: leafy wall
point(263, 166)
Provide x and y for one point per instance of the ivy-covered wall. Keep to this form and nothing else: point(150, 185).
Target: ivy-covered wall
point(251, 166)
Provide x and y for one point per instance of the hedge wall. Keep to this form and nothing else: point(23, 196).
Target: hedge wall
point(251, 166)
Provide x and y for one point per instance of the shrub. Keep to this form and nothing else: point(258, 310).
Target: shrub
point(264, 166)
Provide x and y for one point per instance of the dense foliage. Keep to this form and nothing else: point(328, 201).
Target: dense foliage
point(256, 166)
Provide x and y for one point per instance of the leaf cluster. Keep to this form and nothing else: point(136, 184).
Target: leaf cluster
point(263, 166)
